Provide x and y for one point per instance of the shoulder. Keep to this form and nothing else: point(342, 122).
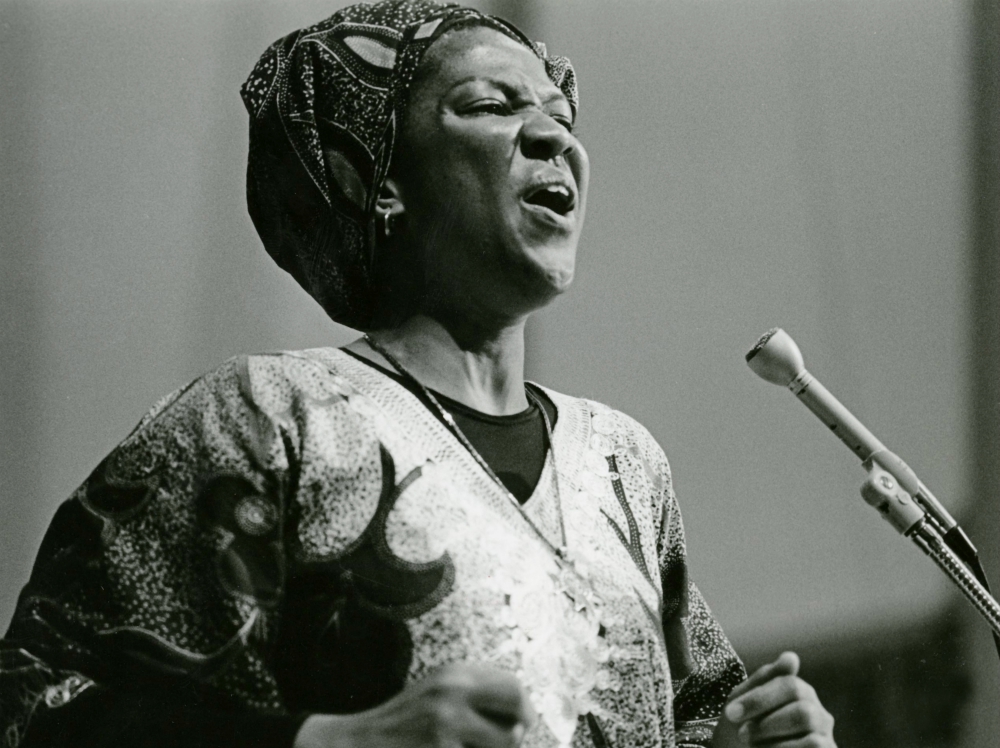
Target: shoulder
point(264, 381)
point(612, 429)
point(247, 395)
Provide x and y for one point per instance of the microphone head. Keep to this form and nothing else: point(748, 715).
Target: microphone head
point(776, 358)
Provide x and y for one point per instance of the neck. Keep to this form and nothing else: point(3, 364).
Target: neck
point(480, 368)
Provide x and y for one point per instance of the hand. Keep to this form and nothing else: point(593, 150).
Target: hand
point(774, 707)
point(458, 706)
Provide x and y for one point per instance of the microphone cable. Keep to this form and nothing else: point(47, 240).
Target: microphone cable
point(959, 542)
point(980, 573)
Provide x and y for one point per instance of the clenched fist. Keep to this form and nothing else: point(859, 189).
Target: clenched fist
point(458, 706)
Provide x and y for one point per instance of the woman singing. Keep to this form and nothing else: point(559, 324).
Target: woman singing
point(402, 542)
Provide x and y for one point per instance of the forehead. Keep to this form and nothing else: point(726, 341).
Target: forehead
point(481, 52)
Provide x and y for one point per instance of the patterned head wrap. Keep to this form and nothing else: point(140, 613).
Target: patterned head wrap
point(326, 104)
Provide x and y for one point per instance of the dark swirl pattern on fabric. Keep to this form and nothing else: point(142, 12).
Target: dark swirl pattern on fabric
point(325, 105)
point(347, 647)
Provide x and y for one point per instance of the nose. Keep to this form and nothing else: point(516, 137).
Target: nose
point(543, 138)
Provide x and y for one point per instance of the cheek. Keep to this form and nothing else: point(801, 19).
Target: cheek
point(473, 175)
point(480, 155)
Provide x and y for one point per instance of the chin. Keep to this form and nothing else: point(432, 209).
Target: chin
point(548, 280)
point(559, 279)
point(552, 266)
point(544, 264)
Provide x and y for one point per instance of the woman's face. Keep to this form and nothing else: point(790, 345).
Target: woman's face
point(492, 181)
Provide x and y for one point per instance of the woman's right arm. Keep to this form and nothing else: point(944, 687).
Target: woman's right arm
point(460, 705)
point(145, 620)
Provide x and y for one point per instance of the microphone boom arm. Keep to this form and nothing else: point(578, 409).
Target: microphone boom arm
point(777, 359)
point(891, 487)
point(896, 506)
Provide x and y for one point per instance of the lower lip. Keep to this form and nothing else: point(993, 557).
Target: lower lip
point(549, 216)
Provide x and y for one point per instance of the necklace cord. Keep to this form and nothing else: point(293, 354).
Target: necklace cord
point(449, 421)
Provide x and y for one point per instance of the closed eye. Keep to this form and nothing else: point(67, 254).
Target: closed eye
point(567, 123)
point(490, 106)
point(503, 109)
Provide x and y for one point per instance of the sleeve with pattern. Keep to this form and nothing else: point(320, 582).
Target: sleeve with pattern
point(704, 666)
point(149, 616)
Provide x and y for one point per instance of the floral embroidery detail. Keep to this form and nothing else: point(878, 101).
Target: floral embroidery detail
point(255, 516)
point(250, 559)
point(62, 693)
point(555, 621)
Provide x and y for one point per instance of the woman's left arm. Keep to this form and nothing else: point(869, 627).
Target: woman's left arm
point(704, 666)
point(715, 704)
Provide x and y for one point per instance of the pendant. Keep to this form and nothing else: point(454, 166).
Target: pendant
point(574, 582)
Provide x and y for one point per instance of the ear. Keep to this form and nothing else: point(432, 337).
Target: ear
point(390, 199)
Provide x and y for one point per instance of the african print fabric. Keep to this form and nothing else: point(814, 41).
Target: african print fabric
point(298, 533)
point(325, 104)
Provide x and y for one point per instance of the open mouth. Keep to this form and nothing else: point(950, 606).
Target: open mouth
point(556, 197)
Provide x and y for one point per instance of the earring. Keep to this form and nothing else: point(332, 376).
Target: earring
point(388, 225)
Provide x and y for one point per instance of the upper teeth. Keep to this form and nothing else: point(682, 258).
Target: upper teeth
point(558, 188)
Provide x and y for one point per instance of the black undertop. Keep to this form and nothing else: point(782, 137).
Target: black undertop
point(513, 446)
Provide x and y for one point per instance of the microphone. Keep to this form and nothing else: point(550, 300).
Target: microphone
point(777, 359)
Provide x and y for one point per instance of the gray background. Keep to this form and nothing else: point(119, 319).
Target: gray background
point(802, 164)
